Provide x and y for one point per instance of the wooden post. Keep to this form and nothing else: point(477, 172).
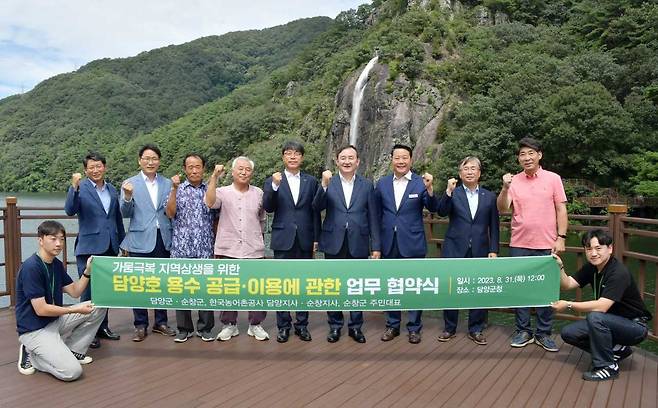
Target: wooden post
point(616, 211)
point(12, 247)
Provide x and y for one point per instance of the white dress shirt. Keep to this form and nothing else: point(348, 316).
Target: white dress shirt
point(294, 182)
point(348, 186)
point(472, 196)
point(152, 187)
point(399, 187)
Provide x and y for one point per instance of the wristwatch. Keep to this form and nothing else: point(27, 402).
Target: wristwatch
point(570, 306)
point(562, 236)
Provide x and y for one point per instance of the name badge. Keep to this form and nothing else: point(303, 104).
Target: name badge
point(413, 195)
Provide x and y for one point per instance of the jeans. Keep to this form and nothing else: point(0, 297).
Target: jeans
point(598, 333)
point(544, 314)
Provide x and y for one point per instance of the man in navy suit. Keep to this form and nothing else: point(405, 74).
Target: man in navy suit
point(296, 226)
point(100, 225)
point(472, 233)
point(401, 197)
point(143, 198)
point(350, 228)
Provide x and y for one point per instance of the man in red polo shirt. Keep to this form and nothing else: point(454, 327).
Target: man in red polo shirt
point(539, 227)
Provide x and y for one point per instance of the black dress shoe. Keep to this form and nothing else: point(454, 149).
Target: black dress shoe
point(283, 335)
point(107, 334)
point(357, 335)
point(333, 336)
point(96, 343)
point(303, 334)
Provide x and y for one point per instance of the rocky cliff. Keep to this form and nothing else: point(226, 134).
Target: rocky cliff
point(400, 111)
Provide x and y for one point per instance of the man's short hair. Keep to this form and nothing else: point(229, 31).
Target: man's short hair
point(293, 145)
point(529, 142)
point(401, 146)
point(94, 156)
point(345, 147)
point(197, 155)
point(150, 146)
point(602, 236)
point(469, 159)
point(50, 227)
point(245, 158)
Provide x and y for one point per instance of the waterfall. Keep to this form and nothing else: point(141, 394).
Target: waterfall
point(359, 88)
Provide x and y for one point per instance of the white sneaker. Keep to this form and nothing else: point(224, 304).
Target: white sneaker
point(228, 331)
point(82, 358)
point(257, 331)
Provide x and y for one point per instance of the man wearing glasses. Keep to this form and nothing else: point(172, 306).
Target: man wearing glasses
point(143, 198)
point(296, 226)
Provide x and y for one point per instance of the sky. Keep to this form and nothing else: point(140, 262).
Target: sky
point(43, 38)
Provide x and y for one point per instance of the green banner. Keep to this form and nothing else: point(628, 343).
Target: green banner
point(386, 284)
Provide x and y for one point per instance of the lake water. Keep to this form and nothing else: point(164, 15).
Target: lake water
point(29, 245)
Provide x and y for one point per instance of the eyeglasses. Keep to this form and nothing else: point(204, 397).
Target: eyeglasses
point(150, 159)
point(292, 153)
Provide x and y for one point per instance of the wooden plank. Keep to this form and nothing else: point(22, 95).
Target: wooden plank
point(635, 374)
point(649, 396)
point(246, 373)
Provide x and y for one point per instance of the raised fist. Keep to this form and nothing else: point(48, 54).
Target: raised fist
point(127, 188)
point(427, 180)
point(452, 184)
point(175, 181)
point(276, 178)
point(219, 171)
point(507, 180)
point(326, 176)
point(75, 180)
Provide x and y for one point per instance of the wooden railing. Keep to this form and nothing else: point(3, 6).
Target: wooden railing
point(621, 227)
point(616, 222)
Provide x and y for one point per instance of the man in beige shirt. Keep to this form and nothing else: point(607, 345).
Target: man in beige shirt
point(239, 232)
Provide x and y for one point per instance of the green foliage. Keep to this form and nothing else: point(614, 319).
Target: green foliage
point(109, 103)
point(580, 75)
point(646, 180)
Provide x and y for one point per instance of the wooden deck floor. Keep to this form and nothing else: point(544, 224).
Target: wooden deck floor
point(246, 373)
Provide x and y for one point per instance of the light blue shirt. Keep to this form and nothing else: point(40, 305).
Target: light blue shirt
point(104, 195)
point(472, 196)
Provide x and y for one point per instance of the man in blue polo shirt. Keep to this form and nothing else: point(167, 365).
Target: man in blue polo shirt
point(53, 338)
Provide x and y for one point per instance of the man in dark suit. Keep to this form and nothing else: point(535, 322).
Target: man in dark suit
point(296, 226)
point(401, 197)
point(472, 233)
point(100, 225)
point(350, 228)
point(143, 198)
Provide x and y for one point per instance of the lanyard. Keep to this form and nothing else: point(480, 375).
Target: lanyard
point(52, 278)
point(597, 293)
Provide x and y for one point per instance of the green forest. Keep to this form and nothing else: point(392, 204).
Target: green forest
point(579, 75)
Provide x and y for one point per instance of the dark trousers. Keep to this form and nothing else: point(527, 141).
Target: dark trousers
point(544, 314)
point(336, 319)
point(81, 263)
point(283, 319)
point(598, 333)
point(205, 323)
point(394, 317)
point(142, 315)
point(231, 316)
point(476, 317)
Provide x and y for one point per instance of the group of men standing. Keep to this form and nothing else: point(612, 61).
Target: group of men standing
point(173, 218)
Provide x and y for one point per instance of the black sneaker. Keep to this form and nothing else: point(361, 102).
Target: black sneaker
point(602, 374)
point(182, 337)
point(623, 353)
point(82, 358)
point(24, 363)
